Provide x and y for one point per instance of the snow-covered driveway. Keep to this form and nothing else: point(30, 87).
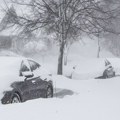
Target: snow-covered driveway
point(94, 99)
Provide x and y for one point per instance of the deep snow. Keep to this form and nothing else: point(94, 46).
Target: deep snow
point(74, 99)
point(81, 99)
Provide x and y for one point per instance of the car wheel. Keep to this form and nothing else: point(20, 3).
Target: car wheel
point(49, 92)
point(16, 98)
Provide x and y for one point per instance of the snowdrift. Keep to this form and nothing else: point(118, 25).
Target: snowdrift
point(90, 68)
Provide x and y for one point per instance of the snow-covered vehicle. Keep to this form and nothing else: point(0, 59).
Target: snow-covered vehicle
point(94, 68)
point(109, 71)
point(22, 79)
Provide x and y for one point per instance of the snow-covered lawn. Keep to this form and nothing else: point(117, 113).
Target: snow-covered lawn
point(74, 99)
point(93, 99)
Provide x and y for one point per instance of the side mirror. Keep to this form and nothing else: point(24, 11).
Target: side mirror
point(27, 74)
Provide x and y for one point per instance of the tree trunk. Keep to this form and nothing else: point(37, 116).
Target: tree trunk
point(62, 36)
point(60, 59)
point(98, 53)
point(65, 55)
point(65, 59)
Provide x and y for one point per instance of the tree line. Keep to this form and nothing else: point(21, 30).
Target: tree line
point(67, 19)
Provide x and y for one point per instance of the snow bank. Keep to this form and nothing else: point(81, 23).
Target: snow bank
point(9, 72)
point(85, 69)
point(85, 99)
point(8, 53)
point(90, 68)
point(92, 99)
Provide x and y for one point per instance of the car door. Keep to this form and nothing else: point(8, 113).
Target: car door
point(35, 67)
point(29, 85)
point(38, 83)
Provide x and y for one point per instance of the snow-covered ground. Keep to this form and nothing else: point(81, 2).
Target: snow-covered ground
point(81, 99)
point(74, 99)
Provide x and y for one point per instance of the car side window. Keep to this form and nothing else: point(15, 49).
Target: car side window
point(24, 67)
point(33, 65)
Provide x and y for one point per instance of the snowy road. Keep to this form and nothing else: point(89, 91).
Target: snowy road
point(74, 99)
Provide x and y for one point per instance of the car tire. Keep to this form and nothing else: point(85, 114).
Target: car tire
point(49, 92)
point(15, 98)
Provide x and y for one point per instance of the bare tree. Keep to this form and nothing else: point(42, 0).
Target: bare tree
point(66, 18)
point(9, 19)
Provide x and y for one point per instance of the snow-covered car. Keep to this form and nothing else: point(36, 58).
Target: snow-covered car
point(94, 68)
point(23, 79)
point(109, 70)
